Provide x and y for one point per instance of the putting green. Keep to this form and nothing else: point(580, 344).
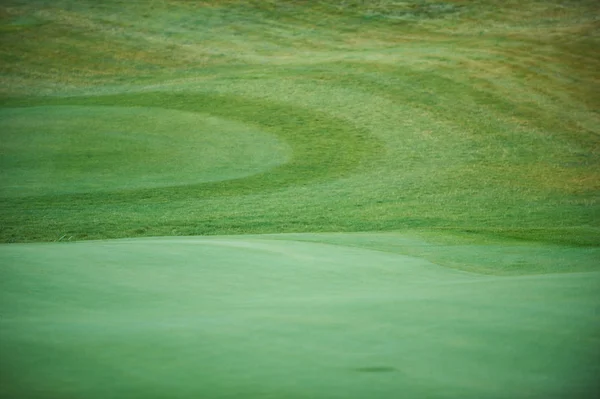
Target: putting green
point(271, 316)
point(81, 149)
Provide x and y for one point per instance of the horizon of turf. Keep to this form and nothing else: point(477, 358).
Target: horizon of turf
point(421, 116)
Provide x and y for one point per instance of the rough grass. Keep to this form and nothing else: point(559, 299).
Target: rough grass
point(417, 115)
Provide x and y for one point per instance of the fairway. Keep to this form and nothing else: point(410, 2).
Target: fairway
point(277, 316)
point(299, 199)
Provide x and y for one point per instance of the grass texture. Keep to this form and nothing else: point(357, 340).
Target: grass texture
point(332, 116)
point(398, 199)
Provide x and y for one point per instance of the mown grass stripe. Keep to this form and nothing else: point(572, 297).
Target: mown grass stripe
point(322, 147)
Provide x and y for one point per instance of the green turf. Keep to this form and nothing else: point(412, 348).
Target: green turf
point(271, 316)
point(434, 165)
point(65, 150)
point(361, 116)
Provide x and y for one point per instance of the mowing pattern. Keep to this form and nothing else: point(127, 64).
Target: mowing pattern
point(65, 150)
point(316, 151)
point(357, 116)
point(461, 138)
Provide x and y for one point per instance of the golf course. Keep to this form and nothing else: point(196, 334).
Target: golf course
point(299, 199)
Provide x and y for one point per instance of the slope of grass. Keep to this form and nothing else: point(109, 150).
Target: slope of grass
point(270, 316)
point(472, 251)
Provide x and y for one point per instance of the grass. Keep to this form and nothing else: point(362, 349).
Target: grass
point(66, 150)
point(403, 198)
point(271, 316)
point(444, 125)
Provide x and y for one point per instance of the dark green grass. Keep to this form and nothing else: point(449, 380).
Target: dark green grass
point(316, 150)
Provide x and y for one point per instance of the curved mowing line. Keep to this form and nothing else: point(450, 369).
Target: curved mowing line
point(125, 148)
point(323, 147)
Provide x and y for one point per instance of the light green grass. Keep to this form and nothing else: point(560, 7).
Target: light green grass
point(270, 316)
